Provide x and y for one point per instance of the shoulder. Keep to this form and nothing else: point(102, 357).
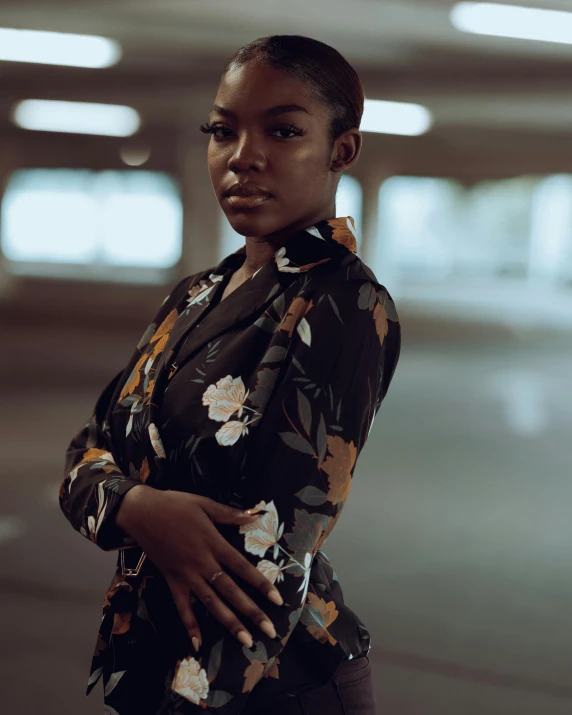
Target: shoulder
point(353, 286)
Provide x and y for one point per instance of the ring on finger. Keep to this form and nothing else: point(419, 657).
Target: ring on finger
point(214, 576)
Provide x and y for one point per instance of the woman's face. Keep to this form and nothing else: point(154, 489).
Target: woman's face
point(286, 153)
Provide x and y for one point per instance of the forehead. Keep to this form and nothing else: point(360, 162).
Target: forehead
point(254, 88)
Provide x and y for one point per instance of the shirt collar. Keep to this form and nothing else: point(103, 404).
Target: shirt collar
point(305, 248)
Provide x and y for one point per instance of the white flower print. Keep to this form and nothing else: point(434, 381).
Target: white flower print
point(149, 364)
point(225, 398)
point(303, 330)
point(272, 571)
point(282, 261)
point(156, 441)
point(214, 278)
point(190, 680)
point(231, 432)
point(264, 533)
point(305, 583)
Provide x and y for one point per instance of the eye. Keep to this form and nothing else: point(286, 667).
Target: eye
point(291, 128)
point(208, 128)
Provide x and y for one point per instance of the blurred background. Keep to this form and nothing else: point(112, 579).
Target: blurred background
point(463, 200)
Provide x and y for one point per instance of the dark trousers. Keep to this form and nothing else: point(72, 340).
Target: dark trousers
point(349, 692)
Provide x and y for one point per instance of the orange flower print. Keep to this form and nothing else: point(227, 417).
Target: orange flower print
point(252, 675)
point(295, 318)
point(380, 318)
point(223, 399)
point(190, 680)
point(156, 441)
point(91, 455)
point(134, 379)
point(327, 614)
point(382, 306)
point(338, 466)
point(162, 335)
point(344, 232)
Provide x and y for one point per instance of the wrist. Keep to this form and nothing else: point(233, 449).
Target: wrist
point(133, 504)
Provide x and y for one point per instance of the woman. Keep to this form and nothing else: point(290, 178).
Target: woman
point(255, 386)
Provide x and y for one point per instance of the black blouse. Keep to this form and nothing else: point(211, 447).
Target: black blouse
point(266, 399)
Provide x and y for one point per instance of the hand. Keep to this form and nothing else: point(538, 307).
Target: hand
point(176, 531)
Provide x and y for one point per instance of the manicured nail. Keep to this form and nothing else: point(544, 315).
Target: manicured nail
point(196, 643)
point(268, 628)
point(275, 597)
point(252, 512)
point(245, 638)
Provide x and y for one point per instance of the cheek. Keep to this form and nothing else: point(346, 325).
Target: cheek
point(215, 161)
point(303, 174)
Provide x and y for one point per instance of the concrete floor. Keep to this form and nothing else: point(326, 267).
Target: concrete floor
point(454, 548)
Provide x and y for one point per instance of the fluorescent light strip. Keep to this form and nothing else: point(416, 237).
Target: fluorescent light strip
point(524, 23)
point(48, 115)
point(58, 48)
point(404, 118)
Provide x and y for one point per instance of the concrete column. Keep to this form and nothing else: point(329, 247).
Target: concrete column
point(201, 225)
point(8, 163)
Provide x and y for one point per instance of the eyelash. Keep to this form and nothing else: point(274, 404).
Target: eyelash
point(208, 128)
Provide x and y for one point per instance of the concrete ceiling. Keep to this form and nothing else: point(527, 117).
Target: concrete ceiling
point(403, 49)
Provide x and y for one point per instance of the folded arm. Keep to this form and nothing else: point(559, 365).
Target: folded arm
point(94, 485)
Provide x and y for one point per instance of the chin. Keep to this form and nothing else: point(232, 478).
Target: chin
point(253, 222)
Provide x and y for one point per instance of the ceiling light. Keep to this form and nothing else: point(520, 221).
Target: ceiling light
point(58, 48)
point(395, 118)
point(48, 115)
point(525, 23)
point(135, 155)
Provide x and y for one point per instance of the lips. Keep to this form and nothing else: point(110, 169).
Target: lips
point(247, 189)
point(248, 202)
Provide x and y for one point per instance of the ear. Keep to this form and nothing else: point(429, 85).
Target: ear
point(346, 150)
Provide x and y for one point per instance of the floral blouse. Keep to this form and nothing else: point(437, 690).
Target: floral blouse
point(266, 399)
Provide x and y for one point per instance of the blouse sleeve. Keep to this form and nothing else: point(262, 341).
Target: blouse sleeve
point(330, 365)
point(94, 485)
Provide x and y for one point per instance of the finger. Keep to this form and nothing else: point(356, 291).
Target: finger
point(182, 598)
point(225, 585)
point(221, 611)
point(224, 514)
point(241, 566)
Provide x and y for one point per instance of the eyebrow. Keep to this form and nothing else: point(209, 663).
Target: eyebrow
point(271, 112)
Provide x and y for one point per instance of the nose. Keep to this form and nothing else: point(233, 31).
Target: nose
point(247, 154)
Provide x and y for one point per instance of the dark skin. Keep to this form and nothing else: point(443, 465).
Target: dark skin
point(301, 172)
point(290, 156)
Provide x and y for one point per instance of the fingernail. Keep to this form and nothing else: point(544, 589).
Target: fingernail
point(268, 628)
point(196, 644)
point(245, 638)
point(251, 512)
point(275, 597)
